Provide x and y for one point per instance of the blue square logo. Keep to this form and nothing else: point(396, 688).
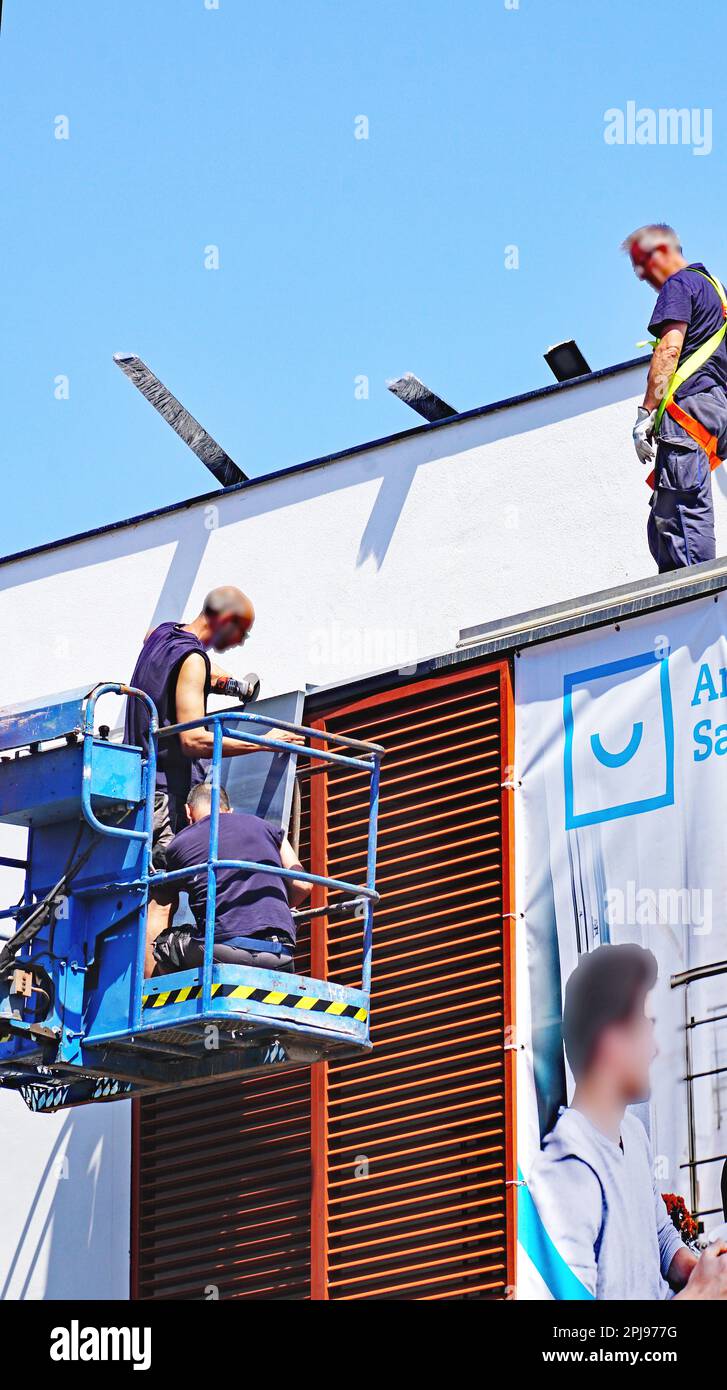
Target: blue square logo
point(619, 740)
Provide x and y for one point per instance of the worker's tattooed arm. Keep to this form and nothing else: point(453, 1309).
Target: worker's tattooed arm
point(218, 676)
point(663, 363)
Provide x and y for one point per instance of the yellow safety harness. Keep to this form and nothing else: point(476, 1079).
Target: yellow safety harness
point(684, 370)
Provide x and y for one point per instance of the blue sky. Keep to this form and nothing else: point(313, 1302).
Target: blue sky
point(339, 258)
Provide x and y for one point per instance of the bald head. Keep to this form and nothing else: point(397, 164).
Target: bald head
point(228, 599)
point(229, 616)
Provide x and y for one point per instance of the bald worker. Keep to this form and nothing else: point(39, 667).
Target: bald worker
point(174, 668)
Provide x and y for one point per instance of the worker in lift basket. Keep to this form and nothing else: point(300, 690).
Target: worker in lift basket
point(593, 1184)
point(251, 906)
point(174, 668)
point(682, 423)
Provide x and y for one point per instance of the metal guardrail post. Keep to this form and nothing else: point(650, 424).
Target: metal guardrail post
point(368, 926)
point(145, 834)
point(212, 867)
point(89, 816)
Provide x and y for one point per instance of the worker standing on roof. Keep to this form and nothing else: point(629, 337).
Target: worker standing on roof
point(682, 423)
point(174, 668)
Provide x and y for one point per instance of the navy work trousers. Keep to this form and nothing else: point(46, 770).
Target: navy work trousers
point(681, 521)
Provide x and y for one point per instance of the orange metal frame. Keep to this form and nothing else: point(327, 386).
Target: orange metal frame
point(319, 1073)
point(319, 962)
point(509, 925)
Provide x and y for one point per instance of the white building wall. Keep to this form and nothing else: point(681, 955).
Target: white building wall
point(374, 560)
point(387, 551)
point(64, 1201)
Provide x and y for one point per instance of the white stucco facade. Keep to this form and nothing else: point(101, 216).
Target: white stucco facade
point(394, 547)
point(372, 560)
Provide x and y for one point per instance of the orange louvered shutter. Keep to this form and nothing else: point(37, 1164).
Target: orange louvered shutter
point(412, 1145)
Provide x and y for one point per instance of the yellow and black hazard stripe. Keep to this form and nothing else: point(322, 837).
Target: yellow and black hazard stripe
point(272, 997)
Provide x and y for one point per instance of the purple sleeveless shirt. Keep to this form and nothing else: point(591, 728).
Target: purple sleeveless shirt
point(156, 673)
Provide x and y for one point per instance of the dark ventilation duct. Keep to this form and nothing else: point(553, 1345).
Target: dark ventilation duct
point(413, 392)
point(201, 443)
point(566, 361)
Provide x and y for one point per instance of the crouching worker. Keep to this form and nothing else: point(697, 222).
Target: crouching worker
point(252, 905)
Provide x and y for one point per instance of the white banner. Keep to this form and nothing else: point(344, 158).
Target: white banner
point(621, 738)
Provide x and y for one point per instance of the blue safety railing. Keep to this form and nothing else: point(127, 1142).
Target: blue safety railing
point(365, 757)
point(102, 828)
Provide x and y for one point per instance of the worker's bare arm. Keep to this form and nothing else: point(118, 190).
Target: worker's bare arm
point(219, 677)
point(298, 889)
point(197, 743)
point(663, 363)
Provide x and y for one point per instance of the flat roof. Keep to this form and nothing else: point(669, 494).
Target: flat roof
point(385, 440)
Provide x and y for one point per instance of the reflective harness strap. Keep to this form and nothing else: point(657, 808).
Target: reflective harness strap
point(694, 361)
point(692, 427)
point(699, 432)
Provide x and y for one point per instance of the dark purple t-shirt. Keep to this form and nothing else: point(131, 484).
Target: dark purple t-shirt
point(247, 903)
point(689, 298)
point(156, 673)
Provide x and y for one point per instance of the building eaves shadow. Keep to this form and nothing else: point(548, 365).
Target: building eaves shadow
point(304, 483)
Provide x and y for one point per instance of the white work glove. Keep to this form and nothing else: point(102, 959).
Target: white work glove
point(644, 434)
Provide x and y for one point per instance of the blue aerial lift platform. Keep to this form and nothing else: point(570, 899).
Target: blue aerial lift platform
point(78, 1021)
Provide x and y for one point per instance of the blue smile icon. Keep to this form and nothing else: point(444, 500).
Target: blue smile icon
point(626, 754)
